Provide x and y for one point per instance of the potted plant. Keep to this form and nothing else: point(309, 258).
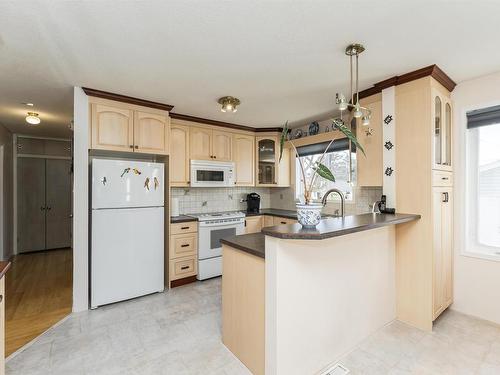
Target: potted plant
point(309, 212)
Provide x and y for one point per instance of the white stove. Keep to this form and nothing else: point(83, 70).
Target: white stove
point(212, 228)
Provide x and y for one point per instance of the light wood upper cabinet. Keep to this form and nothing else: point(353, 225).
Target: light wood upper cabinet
point(200, 143)
point(442, 131)
point(151, 133)
point(112, 128)
point(370, 169)
point(131, 128)
point(222, 144)
point(244, 159)
point(269, 170)
point(179, 155)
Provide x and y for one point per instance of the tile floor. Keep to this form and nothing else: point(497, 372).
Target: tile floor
point(178, 333)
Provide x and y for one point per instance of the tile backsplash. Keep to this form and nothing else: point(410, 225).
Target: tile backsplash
point(204, 200)
point(284, 198)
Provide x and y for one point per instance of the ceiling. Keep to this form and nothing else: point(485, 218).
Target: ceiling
point(284, 59)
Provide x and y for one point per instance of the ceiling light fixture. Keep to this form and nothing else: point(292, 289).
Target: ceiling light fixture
point(353, 51)
point(228, 103)
point(33, 118)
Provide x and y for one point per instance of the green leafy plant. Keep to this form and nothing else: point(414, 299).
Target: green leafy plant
point(319, 168)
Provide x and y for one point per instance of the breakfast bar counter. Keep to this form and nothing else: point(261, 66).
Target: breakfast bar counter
point(295, 300)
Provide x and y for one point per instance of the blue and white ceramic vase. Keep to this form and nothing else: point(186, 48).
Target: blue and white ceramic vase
point(309, 215)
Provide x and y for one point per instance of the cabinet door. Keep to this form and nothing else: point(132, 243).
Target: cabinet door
point(369, 167)
point(437, 131)
point(447, 135)
point(283, 178)
point(222, 143)
point(244, 149)
point(112, 128)
point(268, 221)
point(253, 224)
point(179, 155)
point(447, 247)
point(266, 160)
point(200, 144)
point(438, 196)
point(151, 133)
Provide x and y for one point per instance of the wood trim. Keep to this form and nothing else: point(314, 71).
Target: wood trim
point(126, 99)
point(184, 281)
point(432, 70)
point(206, 121)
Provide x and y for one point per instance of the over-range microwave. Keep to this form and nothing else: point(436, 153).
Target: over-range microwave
point(206, 173)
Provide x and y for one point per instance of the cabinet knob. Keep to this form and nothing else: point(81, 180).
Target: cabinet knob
point(136, 147)
point(131, 146)
point(1, 298)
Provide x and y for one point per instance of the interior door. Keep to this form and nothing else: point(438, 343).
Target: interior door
point(31, 204)
point(58, 203)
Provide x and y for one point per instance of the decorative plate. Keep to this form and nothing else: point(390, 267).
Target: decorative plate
point(298, 133)
point(313, 128)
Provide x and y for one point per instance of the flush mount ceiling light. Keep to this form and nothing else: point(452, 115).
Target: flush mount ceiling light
point(353, 51)
point(33, 118)
point(228, 103)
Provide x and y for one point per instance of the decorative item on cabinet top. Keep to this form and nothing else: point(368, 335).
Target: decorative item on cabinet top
point(313, 128)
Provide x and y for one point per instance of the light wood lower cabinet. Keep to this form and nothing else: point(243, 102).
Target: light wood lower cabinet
point(243, 307)
point(253, 224)
point(268, 221)
point(183, 250)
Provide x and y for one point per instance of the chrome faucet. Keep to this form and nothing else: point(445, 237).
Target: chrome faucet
point(342, 199)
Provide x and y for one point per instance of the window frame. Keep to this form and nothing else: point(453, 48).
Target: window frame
point(470, 167)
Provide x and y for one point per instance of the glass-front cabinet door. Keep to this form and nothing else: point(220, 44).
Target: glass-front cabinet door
point(266, 156)
point(438, 131)
point(447, 141)
point(442, 132)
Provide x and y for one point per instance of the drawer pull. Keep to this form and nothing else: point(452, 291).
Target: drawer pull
point(185, 245)
point(444, 178)
point(1, 298)
point(184, 267)
point(283, 222)
point(184, 227)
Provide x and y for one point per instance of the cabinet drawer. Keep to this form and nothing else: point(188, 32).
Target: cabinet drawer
point(283, 220)
point(183, 267)
point(180, 228)
point(442, 178)
point(182, 245)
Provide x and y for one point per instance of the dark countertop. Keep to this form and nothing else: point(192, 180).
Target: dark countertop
point(253, 243)
point(337, 226)
point(4, 267)
point(333, 227)
point(182, 219)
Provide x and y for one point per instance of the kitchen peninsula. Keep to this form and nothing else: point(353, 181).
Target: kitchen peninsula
point(294, 300)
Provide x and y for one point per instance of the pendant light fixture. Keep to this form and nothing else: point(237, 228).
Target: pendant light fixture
point(32, 118)
point(229, 103)
point(353, 51)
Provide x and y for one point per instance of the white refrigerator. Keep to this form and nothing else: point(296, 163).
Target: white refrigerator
point(127, 239)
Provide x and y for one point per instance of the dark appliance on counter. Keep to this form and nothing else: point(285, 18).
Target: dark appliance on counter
point(253, 203)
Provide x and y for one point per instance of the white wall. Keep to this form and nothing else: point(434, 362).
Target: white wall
point(477, 281)
point(80, 201)
point(6, 191)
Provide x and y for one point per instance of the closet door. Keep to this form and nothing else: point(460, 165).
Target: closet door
point(58, 193)
point(31, 204)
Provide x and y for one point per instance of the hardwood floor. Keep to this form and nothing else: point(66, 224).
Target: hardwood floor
point(38, 295)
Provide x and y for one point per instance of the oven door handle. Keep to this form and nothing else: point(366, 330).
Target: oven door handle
point(208, 225)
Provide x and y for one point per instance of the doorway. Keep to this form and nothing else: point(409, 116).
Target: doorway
point(39, 285)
